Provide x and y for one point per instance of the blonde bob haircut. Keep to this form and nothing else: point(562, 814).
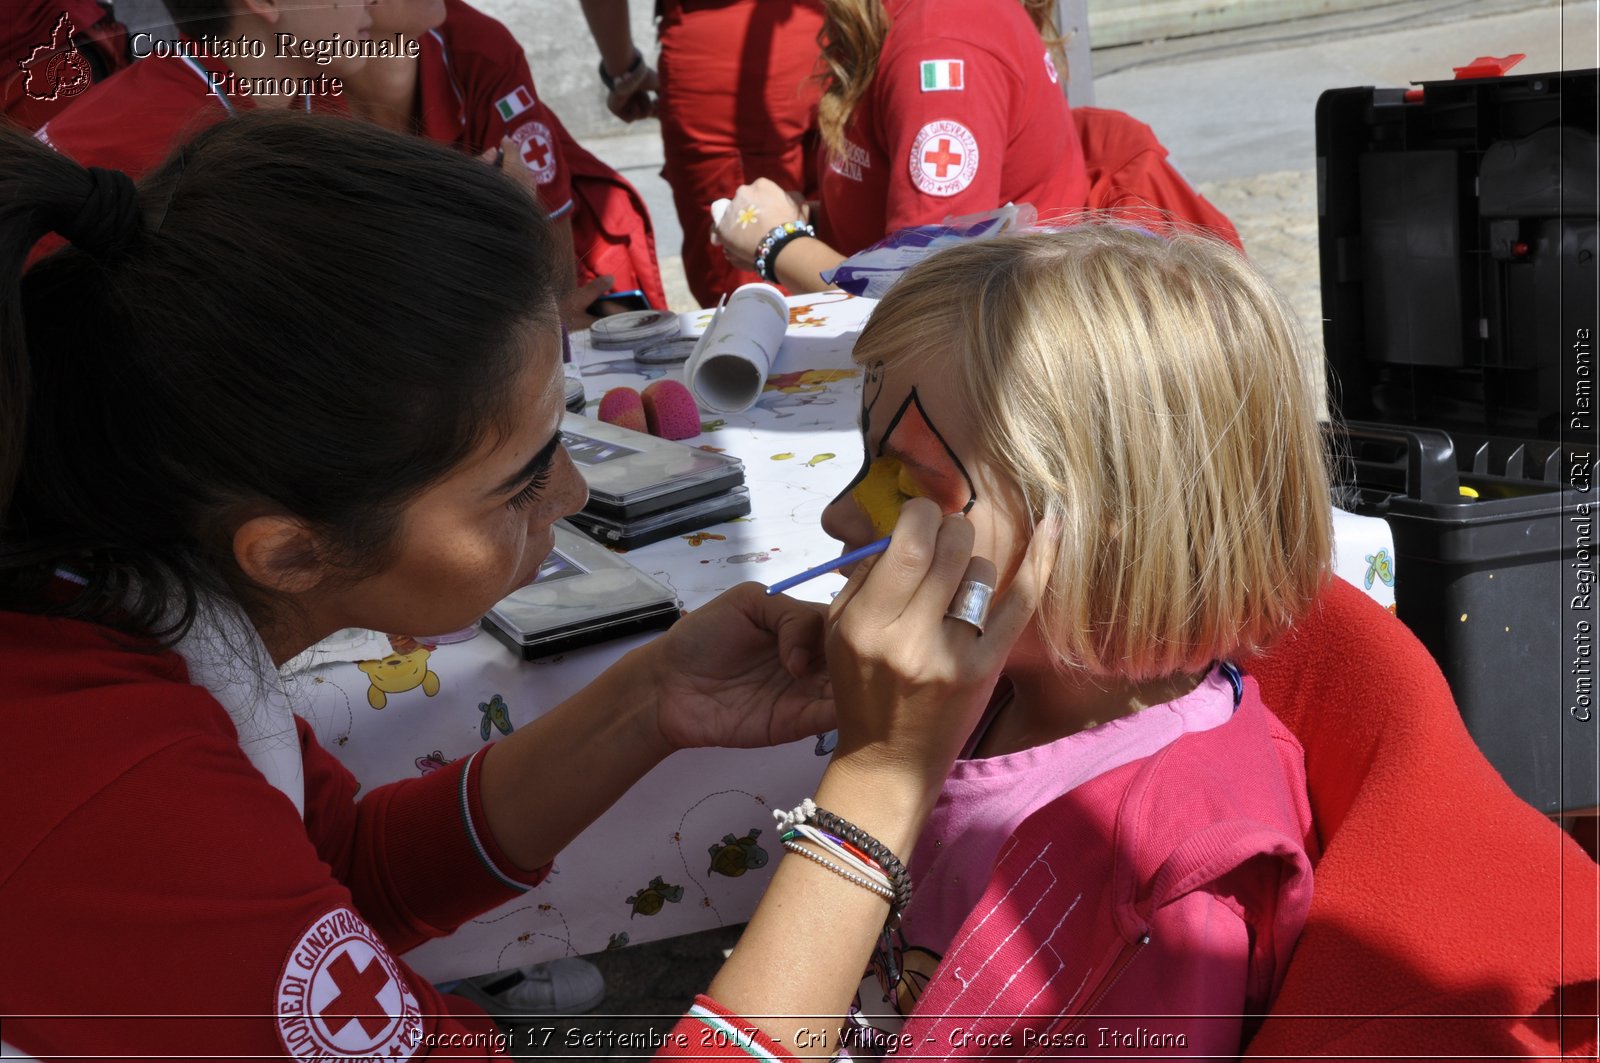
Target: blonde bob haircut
point(1151, 394)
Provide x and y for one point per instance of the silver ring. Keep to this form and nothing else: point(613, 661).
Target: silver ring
point(971, 603)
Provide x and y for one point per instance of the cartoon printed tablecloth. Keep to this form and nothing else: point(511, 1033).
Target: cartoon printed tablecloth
point(691, 847)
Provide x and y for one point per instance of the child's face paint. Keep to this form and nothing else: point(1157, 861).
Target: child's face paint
point(908, 458)
point(881, 493)
point(926, 459)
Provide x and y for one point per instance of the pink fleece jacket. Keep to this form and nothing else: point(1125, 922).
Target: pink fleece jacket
point(1086, 936)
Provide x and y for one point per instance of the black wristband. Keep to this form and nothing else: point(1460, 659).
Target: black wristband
point(611, 82)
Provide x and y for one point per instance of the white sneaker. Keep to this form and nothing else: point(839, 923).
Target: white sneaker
point(568, 986)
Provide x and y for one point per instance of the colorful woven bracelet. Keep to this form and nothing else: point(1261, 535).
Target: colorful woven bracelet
point(840, 850)
point(875, 851)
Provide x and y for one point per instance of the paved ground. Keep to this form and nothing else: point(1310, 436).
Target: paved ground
point(1236, 109)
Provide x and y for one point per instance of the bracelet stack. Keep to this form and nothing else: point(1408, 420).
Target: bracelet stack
point(847, 851)
point(779, 238)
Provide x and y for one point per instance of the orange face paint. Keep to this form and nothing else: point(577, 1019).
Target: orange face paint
point(911, 459)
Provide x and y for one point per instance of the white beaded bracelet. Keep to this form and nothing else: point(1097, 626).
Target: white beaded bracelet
point(828, 845)
point(882, 891)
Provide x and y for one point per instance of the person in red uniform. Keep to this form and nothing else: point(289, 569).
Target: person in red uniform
point(933, 108)
point(737, 99)
point(51, 51)
point(311, 372)
point(470, 87)
point(131, 121)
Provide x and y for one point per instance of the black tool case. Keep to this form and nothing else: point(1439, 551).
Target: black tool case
point(1457, 241)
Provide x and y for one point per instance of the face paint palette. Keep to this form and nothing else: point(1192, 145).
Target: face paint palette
point(696, 516)
point(624, 332)
point(575, 398)
point(631, 474)
point(583, 594)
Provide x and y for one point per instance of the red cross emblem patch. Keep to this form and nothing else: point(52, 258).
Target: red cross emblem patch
point(944, 158)
point(341, 994)
point(538, 150)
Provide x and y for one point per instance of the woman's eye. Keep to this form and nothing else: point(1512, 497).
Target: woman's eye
point(524, 498)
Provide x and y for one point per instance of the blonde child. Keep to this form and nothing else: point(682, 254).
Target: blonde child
point(1117, 859)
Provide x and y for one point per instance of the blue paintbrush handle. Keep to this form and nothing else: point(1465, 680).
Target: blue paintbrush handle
point(842, 560)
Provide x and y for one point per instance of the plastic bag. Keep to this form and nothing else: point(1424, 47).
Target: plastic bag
point(874, 271)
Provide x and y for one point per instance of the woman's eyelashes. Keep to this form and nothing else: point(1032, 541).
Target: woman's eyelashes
point(530, 491)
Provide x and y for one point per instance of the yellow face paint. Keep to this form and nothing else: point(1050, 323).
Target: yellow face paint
point(882, 491)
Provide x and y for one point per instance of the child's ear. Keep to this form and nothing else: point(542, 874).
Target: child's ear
point(279, 553)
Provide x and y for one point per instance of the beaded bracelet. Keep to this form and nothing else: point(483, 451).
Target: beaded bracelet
point(882, 891)
point(779, 238)
point(899, 878)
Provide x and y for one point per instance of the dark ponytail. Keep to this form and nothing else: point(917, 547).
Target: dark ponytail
point(294, 314)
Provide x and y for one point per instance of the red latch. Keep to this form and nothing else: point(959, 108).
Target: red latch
point(1488, 66)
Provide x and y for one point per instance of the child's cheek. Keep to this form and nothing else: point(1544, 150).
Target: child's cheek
point(881, 493)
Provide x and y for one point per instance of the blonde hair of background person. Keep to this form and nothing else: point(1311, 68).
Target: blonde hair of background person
point(930, 109)
point(1179, 546)
point(852, 40)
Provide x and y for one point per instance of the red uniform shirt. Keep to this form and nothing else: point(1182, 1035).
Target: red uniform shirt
point(132, 120)
point(143, 846)
point(965, 113)
point(476, 88)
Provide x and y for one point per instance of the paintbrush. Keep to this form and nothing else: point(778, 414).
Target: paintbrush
point(870, 550)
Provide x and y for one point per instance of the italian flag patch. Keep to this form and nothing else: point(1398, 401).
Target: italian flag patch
point(509, 106)
point(939, 75)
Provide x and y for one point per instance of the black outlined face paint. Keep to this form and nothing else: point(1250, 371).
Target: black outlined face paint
point(912, 459)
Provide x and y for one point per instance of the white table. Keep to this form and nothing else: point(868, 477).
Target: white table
point(691, 847)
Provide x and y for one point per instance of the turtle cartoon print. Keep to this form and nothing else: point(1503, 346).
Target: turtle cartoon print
point(657, 895)
point(734, 856)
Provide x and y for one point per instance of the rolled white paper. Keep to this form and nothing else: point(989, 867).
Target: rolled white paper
point(729, 366)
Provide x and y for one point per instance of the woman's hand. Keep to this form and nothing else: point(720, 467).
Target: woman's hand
point(745, 669)
point(909, 683)
point(755, 210)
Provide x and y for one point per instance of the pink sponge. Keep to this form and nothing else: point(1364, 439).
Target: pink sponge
point(621, 407)
point(671, 410)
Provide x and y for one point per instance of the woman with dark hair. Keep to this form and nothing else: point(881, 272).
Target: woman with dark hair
point(306, 376)
point(929, 109)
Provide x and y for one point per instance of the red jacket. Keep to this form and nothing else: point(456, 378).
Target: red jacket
point(1450, 918)
point(163, 901)
point(1129, 173)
